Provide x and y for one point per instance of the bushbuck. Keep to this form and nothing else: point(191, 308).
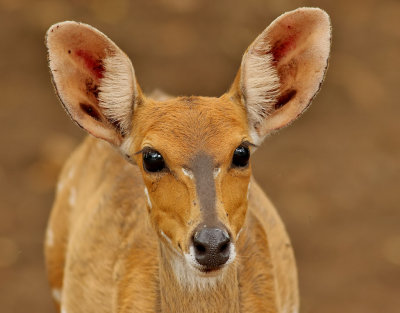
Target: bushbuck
point(157, 210)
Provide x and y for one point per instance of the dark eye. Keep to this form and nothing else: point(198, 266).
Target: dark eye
point(153, 161)
point(241, 156)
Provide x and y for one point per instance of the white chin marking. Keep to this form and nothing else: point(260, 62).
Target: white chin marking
point(56, 294)
point(146, 192)
point(188, 271)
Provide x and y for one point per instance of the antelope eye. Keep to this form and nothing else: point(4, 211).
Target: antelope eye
point(241, 156)
point(153, 161)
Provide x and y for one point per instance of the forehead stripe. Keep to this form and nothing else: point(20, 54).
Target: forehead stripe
point(203, 172)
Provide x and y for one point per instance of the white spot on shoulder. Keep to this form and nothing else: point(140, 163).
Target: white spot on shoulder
point(49, 237)
point(63, 310)
point(69, 176)
point(72, 197)
point(56, 294)
point(216, 172)
point(187, 173)
point(146, 192)
point(71, 173)
point(60, 185)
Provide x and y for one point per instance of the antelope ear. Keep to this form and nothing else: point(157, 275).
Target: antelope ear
point(283, 69)
point(94, 79)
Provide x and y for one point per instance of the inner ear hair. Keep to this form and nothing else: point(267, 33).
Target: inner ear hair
point(94, 79)
point(283, 69)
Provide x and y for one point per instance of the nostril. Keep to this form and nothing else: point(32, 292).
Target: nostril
point(224, 247)
point(199, 248)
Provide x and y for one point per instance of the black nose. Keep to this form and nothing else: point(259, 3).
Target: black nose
point(211, 247)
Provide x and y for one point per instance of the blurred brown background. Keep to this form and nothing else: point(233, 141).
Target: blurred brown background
point(334, 175)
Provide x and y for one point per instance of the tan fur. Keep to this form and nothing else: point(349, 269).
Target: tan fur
point(113, 252)
point(119, 236)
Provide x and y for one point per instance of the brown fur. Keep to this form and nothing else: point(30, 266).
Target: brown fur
point(121, 236)
point(113, 252)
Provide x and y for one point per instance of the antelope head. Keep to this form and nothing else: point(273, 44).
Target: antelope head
point(193, 152)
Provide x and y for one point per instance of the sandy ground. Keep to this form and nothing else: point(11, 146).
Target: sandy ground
point(334, 175)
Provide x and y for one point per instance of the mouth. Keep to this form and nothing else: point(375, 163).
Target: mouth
point(205, 272)
point(211, 270)
point(208, 271)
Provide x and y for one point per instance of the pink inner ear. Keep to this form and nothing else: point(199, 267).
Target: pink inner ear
point(93, 64)
point(282, 47)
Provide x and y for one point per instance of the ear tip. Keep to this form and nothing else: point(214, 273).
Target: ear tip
point(66, 26)
point(312, 10)
point(315, 13)
point(58, 25)
point(54, 29)
point(314, 16)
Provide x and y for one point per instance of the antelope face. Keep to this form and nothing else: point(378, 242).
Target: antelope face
point(194, 156)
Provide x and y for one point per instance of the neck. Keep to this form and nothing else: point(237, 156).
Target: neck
point(184, 290)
